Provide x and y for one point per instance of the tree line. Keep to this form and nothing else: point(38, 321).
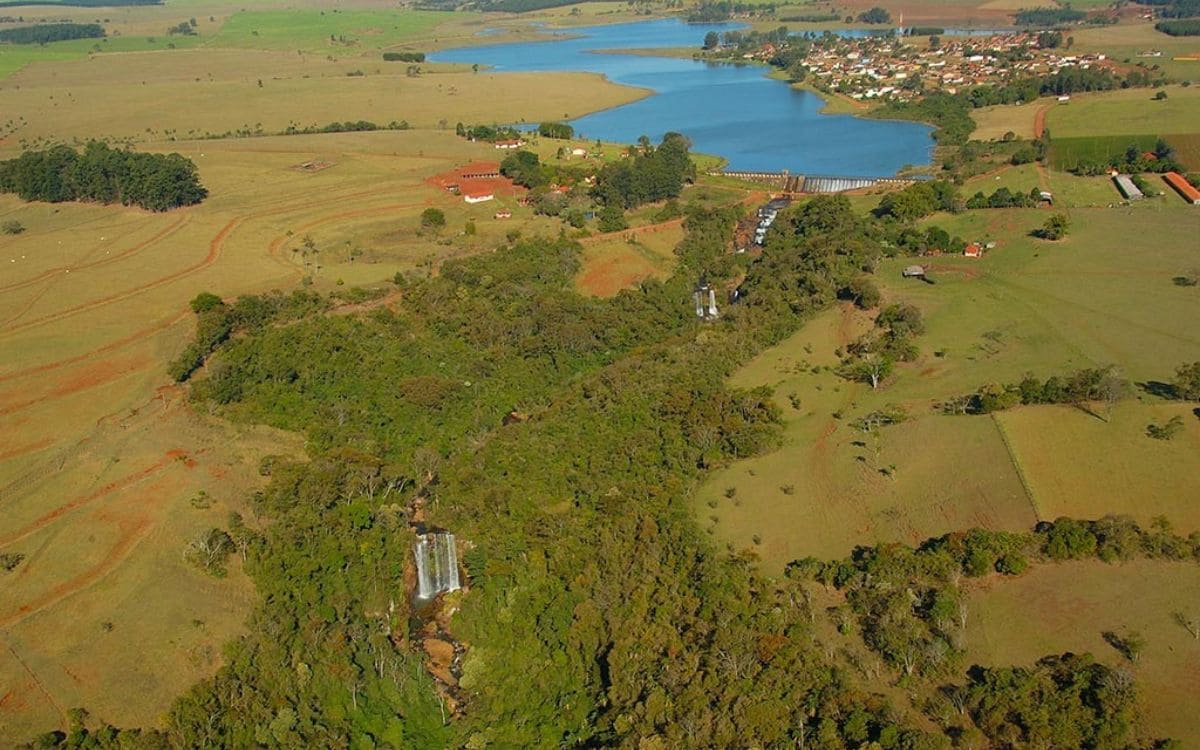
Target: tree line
point(45, 33)
point(101, 174)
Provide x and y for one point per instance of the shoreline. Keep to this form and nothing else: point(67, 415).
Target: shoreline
point(832, 104)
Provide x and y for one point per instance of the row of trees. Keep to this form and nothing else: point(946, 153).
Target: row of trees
point(1081, 387)
point(45, 33)
point(158, 182)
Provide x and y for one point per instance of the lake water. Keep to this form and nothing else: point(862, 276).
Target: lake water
point(736, 112)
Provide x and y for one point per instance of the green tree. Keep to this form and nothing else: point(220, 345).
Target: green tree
point(433, 218)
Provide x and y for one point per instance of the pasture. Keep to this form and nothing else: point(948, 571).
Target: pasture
point(1126, 112)
point(1103, 296)
point(1063, 607)
point(120, 96)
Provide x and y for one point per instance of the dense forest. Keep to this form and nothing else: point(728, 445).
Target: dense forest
point(44, 33)
point(101, 174)
point(598, 614)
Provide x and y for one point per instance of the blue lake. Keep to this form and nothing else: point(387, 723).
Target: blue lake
point(736, 112)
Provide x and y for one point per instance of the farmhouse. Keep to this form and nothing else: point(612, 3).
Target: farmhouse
point(1127, 188)
point(509, 144)
point(1183, 187)
point(973, 251)
point(478, 197)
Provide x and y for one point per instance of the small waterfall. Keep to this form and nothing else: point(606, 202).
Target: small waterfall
point(437, 564)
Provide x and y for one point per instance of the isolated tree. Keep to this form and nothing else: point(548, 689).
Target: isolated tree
point(1055, 228)
point(433, 218)
point(711, 40)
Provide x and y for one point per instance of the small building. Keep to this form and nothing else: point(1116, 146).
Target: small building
point(1127, 188)
point(509, 144)
point(504, 213)
point(913, 272)
point(478, 197)
point(1064, 99)
point(1183, 187)
point(579, 153)
point(1046, 196)
point(973, 251)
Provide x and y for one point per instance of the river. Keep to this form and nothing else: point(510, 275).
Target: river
point(754, 122)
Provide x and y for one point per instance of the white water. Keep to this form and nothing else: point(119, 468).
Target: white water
point(437, 564)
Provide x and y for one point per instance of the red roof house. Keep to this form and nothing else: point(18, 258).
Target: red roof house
point(973, 251)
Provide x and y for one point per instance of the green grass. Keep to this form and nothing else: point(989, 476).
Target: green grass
point(1130, 111)
point(1103, 296)
point(13, 57)
point(1066, 153)
point(331, 31)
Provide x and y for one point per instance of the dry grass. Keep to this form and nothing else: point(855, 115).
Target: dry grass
point(1066, 607)
point(120, 96)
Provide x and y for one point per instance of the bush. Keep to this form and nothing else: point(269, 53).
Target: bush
point(12, 226)
point(433, 218)
point(414, 57)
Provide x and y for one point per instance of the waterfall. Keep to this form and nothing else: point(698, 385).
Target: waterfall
point(437, 564)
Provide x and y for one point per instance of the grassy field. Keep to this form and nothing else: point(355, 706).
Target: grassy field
point(120, 96)
point(623, 259)
point(1067, 607)
point(993, 122)
point(1104, 296)
point(1127, 112)
point(332, 30)
point(1125, 41)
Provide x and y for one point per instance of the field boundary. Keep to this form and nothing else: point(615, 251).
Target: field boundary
point(1017, 467)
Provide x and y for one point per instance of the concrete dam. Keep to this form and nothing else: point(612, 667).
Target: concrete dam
point(798, 183)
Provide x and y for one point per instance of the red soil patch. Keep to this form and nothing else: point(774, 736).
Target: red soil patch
point(101, 373)
point(608, 276)
point(1039, 121)
point(114, 486)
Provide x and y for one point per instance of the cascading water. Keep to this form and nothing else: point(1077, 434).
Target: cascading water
point(437, 564)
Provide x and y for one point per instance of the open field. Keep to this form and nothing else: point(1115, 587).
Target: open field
point(1125, 41)
point(100, 464)
point(1066, 607)
point(993, 122)
point(322, 30)
point(1108, 461)
point(1127, 112)
point(1103, 296)
point(620, 260)
point(249, 90)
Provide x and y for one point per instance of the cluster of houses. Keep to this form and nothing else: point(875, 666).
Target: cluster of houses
point(884, 68)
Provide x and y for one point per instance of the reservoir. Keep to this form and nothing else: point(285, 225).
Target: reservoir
point(733, 111)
